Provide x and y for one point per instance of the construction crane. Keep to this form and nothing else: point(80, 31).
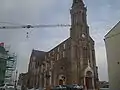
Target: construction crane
point(33, 26)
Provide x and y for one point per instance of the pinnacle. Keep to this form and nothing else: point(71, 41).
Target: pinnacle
point(80, 2)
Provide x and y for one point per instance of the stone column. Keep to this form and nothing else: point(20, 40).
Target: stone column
point(93, 83)
point(73, 63)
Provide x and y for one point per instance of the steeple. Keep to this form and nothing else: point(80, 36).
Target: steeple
point(78, 12)
point(78, 19)
point(78, 3)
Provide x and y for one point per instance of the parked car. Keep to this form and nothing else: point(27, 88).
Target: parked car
point(36, 89)
point(7, 87)
point(2, 87)
point(68, 87)
point(104, 89)
point(18, 87)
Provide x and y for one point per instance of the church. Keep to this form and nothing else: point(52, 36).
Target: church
point(71, 62)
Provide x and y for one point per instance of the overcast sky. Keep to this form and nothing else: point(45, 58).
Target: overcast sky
point(102, 15)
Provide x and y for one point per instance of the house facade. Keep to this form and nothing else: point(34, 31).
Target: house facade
point(112, 43)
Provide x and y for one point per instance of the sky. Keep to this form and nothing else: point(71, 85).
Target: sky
point(102, 16)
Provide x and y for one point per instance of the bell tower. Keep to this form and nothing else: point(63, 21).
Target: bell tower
point(78, 20)
point(79, 35)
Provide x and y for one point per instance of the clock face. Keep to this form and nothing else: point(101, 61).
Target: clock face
point(83, 35)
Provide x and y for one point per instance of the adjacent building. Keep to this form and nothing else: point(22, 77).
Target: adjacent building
point(22, 81)
point(35, 76)
point(2, 64)
point(112, 42)
point(71, 62)
point(10, 68)
point(7, 65)
point(104, 85)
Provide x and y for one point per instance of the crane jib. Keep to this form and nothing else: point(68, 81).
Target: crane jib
point(34, 26)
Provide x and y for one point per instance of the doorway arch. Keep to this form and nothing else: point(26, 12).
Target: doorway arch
point(89, 79)
point(62, 80)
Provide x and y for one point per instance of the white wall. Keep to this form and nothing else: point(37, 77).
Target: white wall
point(113, 57)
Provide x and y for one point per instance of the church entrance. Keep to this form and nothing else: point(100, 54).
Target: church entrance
point(89, 80)
point(60, 82)
point(89, 83)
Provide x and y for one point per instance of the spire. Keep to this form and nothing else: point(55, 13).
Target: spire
point(78, 19)
point(78, 2)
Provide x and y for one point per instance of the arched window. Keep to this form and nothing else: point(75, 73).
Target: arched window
point(85, 52)
point(83, 17)
point(89, 74)
point(63, 54)
point(57, 56)
point(58, 49)
point(64, 46)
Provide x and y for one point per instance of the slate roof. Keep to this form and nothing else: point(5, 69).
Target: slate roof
point(40, 55)
point(114, 31)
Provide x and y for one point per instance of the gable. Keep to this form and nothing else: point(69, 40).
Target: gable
point(114, 31)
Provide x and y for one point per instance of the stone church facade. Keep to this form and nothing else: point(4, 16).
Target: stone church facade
point(71, 62)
